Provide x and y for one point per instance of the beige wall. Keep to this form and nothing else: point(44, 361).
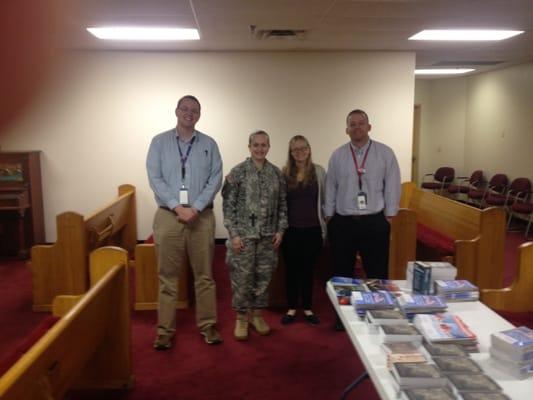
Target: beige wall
point(500, 122)
point(443, 119)
point(95, 121)
point(486, 121)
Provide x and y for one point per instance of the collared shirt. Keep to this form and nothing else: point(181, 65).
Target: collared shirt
point(203, 176)
point(381, 181)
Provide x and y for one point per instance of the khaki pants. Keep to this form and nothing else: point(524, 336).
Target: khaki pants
point(175, 243)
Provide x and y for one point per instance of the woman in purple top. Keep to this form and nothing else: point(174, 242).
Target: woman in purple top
point(303, 239)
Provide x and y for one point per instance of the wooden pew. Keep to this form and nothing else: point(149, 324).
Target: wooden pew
point(89, 347)
point(147, 281)
point(402, 247)
point(478, 235)
point(517, 297)
point(62, 268)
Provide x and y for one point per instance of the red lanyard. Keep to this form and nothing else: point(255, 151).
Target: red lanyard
point(360, 170)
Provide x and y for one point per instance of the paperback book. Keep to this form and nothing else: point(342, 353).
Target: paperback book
point(422, 278)
point(400, 333)
point(518, 369)
point(420, 303)
point(385, 317)
point(401, 352)
point(444, 328)
point(464, 383)
point(363, 301)
point(435, 393)
point(439, 270)
point(516, 342)
point(485, 396)
point(456, 290)
point(457, 365)
point(444, 350)
point(417, 375)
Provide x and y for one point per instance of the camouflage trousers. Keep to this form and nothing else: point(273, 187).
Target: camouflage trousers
point(251, 272)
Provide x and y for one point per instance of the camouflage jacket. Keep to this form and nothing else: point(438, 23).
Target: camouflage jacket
point(254, 201)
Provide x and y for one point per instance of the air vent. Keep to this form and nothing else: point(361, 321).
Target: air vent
point(465, 63)
point(277, 34)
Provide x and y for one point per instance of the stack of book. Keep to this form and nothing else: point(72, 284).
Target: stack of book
point(480, 384)
point(422, 274)
point(344, 287)
point(411, 304)
point(446, 328)
point(402, 352)
point(444, 350)
point(438, 393)
point(400, 333)
point(456, 290)
point(375, 318)
point(363, 301)
point(457, 365)
point(512, 350)
point(417, 375)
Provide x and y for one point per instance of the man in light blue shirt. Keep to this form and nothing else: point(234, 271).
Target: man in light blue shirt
point(185, 172)
point(362, 194)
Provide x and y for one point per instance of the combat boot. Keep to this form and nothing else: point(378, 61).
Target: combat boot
point(241, 327)
point(259, 323)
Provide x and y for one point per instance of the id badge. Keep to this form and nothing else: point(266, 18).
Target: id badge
point(184, 197)
point(361, 201)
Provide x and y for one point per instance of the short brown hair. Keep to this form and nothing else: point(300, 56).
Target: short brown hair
point(357, 111)
point(189, 97)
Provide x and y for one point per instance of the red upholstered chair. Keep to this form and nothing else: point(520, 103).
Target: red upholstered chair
point(522, 209)
point(519, 189)
point(497, 184)
point(441, 179)
point(465, 183)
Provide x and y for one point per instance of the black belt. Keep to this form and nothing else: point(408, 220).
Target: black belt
point(360, 217)
point(207, 207)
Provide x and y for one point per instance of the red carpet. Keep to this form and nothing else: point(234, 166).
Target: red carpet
point(294, 362)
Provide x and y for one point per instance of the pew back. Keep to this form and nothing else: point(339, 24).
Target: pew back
point(62, 268)
point(89, 347)
point(516, 297)
point(478, 235)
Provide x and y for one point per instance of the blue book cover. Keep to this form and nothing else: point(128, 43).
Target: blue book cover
point(421, 279)
point(421, 301)
point(521, 337)
point(380, 299)
point(343, 280)
point(454, 286)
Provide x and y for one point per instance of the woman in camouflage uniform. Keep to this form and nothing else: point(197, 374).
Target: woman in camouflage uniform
point(255, 214)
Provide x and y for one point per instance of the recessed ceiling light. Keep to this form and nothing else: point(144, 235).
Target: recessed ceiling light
point(443, 71)
point(143, 33)
point(464, 34)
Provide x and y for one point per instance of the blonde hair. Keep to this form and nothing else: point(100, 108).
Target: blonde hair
point(256, 133)
point(290, 170)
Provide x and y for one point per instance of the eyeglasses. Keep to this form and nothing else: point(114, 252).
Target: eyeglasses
point(299, 149)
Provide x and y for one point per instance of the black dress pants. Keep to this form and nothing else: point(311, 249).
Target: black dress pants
point(368, 235)
point(301, 248)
